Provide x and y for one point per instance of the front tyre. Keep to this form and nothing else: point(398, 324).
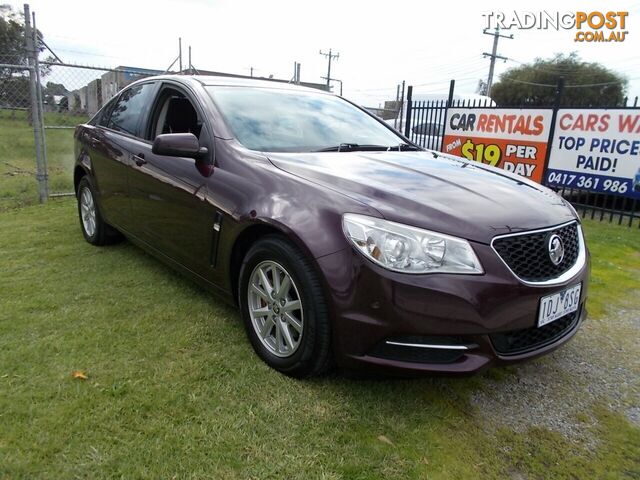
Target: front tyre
point(95, 230)
point(284, 309)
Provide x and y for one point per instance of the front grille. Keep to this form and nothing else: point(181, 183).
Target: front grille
point(527, 254)
point(403, 353)
point(522, 341)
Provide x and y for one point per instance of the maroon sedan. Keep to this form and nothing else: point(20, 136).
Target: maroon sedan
point(340, 241)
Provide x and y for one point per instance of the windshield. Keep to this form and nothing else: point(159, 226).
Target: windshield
point(272, 120)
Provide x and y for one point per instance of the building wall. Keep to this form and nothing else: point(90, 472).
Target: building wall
point(94, 96)
point(82, 92)
point(111, 84)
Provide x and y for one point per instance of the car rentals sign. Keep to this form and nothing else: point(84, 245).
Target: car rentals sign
point(510, 138)
point(596, 150)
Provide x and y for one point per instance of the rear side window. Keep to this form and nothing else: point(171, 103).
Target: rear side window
point(102, 117)
point(126, 113)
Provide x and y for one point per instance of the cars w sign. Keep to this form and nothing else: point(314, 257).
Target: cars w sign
point(598, 150)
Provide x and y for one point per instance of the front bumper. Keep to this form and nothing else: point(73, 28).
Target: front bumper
point(371, 306)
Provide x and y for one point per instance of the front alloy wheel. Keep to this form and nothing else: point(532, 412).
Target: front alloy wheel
point(275, 308)
point(284, 308)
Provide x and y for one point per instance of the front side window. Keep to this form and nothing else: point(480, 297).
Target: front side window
point(126, 113)
point(273, 120)
point(175, 113)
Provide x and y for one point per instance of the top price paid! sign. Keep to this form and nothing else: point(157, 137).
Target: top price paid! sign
point(596, 150)
point(509, 138)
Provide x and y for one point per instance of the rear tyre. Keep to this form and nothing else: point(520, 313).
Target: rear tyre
point(95, 230)
point(284, 309)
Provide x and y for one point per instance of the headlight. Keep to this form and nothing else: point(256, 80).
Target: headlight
point(406, 249)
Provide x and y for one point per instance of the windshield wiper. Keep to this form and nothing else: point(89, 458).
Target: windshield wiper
point(343, 147)
point(353, 147)
point(404, 147)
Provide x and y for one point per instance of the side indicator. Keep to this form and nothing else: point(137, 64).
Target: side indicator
point(215, 238)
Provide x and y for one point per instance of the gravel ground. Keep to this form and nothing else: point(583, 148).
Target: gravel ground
point(601, 364)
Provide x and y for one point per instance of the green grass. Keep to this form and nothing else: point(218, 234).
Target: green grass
point(17, 157)
point(175, 391)
point(615, 253)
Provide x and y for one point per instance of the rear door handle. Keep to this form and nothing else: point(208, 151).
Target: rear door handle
point(139, 159)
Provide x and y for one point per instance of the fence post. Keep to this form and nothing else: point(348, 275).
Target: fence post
point(452, 86)
point(407, 124)
point(41, 173)
point(559, 92)
point(552, 127)
point(43, 137)
point(401, 105)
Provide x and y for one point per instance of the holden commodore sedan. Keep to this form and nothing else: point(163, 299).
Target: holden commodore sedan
point(341, 242)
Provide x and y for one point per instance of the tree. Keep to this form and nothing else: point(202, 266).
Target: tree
point(53, 88)
point(586, 84)
point(51, 91)
point(14, 84)
point(12, 49)
point(481, 89)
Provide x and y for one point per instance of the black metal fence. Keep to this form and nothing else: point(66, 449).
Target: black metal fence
point(423, 122)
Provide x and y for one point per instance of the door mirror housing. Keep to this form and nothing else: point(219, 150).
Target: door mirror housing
point(178, 145)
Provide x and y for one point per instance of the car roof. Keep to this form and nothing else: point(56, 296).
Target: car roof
point(219, 80)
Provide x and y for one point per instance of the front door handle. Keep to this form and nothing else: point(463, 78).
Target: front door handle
point(139, 159)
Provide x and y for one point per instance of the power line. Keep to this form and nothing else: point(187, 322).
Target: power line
point(569, 69)
point(584, 85)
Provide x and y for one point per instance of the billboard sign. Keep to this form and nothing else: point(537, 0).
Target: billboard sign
point(597, 150)
point(510, 138)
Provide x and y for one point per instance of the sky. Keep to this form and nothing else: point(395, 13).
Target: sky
point(380, 44)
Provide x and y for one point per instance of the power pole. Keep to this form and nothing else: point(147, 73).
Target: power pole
point(329, 56)
point(493, 55)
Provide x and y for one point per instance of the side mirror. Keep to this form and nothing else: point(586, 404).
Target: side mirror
point(178, 145)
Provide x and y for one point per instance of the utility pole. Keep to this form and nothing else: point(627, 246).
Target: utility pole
point(329, 56)
point(493, 55)
point(180, 53)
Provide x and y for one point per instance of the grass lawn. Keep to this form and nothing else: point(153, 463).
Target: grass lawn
point(173, 389)
point(17, 157)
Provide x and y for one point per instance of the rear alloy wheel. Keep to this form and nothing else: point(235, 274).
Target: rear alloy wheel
point(88, 212)
point(284, 309)
point(95, 230)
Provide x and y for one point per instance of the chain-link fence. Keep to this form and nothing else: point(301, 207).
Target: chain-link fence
point(41, 102)
point(21, 121)
point(17, 167)
point(72, 94)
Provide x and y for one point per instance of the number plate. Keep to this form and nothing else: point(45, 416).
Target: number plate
point(553, 307)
